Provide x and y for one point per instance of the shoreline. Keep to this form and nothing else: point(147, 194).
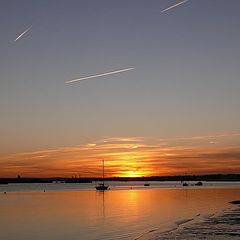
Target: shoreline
point(223, 224)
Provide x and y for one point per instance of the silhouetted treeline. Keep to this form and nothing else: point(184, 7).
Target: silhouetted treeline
point(44, 180)
point(210, 177)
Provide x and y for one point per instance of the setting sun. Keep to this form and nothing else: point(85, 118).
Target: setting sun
point(132, 174)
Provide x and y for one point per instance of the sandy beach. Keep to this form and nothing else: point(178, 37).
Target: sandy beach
point(221, 225)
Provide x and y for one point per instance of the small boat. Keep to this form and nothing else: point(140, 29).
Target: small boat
point(146, 185)
point(58, 181)
point(102, 186)
point(185, 184)
point(199, 184)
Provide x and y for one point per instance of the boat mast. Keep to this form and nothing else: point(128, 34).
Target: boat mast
point(103, 172)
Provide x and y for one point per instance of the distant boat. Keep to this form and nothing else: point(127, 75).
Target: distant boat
point(146, 185)
point(58, 181)
point(102, 186)
point(199, 184)
point(185, 184)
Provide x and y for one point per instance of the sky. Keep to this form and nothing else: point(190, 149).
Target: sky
point(176, 112)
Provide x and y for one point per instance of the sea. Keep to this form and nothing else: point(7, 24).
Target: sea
point(129, 210)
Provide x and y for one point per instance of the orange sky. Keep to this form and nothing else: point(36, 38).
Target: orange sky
point(130, 157)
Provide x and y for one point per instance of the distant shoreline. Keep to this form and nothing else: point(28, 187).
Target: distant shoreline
point(206, 178)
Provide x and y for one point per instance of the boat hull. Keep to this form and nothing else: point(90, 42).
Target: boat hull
point(102, 188)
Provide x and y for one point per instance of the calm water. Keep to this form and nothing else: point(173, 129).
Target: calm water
point(76, 211)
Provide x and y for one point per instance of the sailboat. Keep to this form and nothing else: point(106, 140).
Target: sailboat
point(102, 186)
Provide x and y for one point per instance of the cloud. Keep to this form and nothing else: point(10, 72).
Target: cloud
point(136, 156)
point(201, 137)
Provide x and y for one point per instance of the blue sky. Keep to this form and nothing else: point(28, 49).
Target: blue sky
point(185, 81)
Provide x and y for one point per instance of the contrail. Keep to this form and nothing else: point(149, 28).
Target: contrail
point(99, 75)
point(173, 6)
point(22, 34)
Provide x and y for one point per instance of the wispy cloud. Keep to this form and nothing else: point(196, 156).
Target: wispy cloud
point(200, 137)
point(127, 157)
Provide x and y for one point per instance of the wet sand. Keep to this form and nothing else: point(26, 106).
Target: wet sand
point(223, 225)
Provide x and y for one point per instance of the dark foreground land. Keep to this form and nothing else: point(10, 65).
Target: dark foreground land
point(212, 177)
point(223, 226)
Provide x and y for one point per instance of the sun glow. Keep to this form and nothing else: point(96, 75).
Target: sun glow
point(131, 173)
point(132, 163)
point(127, 158)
